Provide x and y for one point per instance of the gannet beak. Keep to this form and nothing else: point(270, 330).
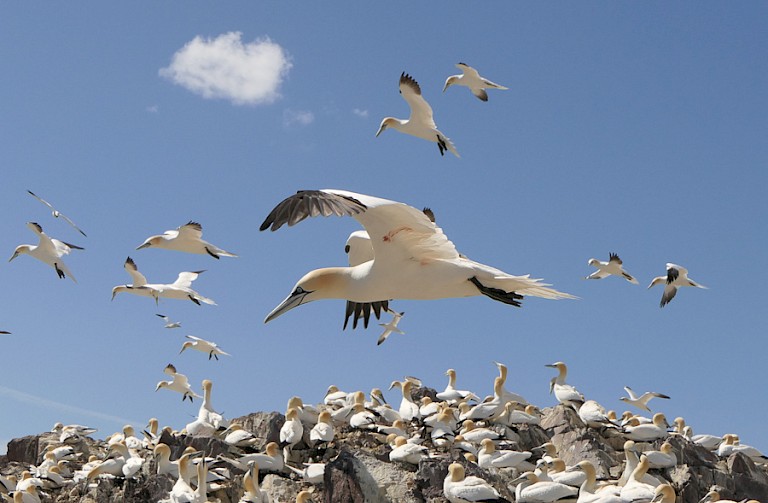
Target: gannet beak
point(381, 128)
point(16, 254)
point(295, 299)
point(144, 245)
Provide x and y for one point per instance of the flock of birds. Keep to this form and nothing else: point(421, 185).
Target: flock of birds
point(400, 254)
point(455, 426)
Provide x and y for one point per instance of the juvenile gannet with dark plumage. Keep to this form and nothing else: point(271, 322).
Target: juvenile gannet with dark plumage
point(179, 289)
point(48, 250)
point(186, 238)
point(677, 276)
point(471, 79)
point(420, 123)
point(413, 258)
point(611, 268)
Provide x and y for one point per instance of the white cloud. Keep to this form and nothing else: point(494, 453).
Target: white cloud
point(153, 109)
point(297, 117)
point(224, 67)
point(360, 113)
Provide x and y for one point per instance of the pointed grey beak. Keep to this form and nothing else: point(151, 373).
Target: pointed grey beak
point(382, 128)
point(295, 299)
point(15, 254)
point(143, 245)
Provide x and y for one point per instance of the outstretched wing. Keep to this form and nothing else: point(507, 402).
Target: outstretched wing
point(137, 278)
point(420, 109)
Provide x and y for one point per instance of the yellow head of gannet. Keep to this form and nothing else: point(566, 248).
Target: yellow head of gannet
point(326, 283)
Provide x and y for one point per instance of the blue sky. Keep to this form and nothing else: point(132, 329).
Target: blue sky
point(631, 128)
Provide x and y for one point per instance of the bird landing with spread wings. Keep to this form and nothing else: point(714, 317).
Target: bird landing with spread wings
point(413, 259)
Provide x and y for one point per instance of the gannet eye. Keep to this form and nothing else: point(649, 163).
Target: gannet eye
point(299, 290)
point(346, 249)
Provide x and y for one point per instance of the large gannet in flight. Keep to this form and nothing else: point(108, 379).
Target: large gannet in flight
point(187, 238)
point(420, 123)
point(676, 276)
point(471, 79)
point(48, 250)
point(413, 259)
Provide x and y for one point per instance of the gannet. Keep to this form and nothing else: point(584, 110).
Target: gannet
point(323, 431)
point(420, 123)
point(632, 460)
point(163, 463)
point(269, 460)
point(458, 488)
point(206, 412)
point(409, 410)
point(291, 432)
point(413, 258)
point(359, 250)
point(677, 276)
point(451, 394)
point(312, 472)
point(636, 487)
point(391, 326)
point(565, 393)
point(590, 492)
point(664, 493)
point(48, 250)
point(611, 268)
point(334, 396)
point(179, 289)
point(362, 418)
point(4, 332)
point(731, 444)
point(72, 433)
point(307, 413)
point(472, 433)
point(168, 322)
point(714, 496)
point(179, 384)
point(236, 435)
point(489, 457)
point(530, 489)
point(488, 409)
point(648, 432)
point(559, 472)
point(253, 493)
point(407, 452)
point(303, 497)
point(593, 415)
point(182, 491)
point(641, 402)
point(512, 415)
point(207, 347)
point(56, 213)
point(188, 239)
point(663, 458)
point(471, 79)
point(506, 395)
point(443, 427)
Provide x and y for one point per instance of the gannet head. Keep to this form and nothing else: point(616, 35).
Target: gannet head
point(663, 493)
point(186, 345)
point(326, 283)
point(450, 81)
point(149, 242)
point(456, 472)
point(161, 384)
point(21, 249)
point(387, 122)
point(593, 262)
point(657, 280)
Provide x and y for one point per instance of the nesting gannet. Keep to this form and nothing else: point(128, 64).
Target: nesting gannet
point(236, 435)
point(611, 268)
point(391, 326)
point(56, 213)
point(323, 431)
point(186, 238)
point(530, 489)
point(182, 491)
point(409, 410)
point(206, 412)
point(565, 393)
point(363, 418)
point(291, 432)
point(593, 415)
point(513, 416)
point(664, 493)
point(48, 250)
point(443, 427)
point(559, 472)
point(451, 394)
point(677, 276)
point(663, 458)
point(641, 401)
point(637, 488)
point(472, 433)
point(207, 347)
point(488, 409)
point(269, 460)
point(714, 496)
point(413, 258)
point(648, 432)
point(334, 396)
point(632, 460)
point(179, 289)
point(168, 322)
point(420, 123)
point(407, 452)
point(312, 472)
point(72, 433)
point(458, 488)
point(471, 79)
point(179, 384)
point(489, 457)
point(253, 493)
point(590, 492)
point(731, 445)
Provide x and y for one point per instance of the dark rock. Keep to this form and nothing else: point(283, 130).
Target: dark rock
point(24, 449)
point(341, 481)
point(264, 425)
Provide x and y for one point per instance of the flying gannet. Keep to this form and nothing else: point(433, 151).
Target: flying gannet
point(420, 123)
point(48, 250)
point(611, 268)
point(179, 384)
point(413, 258)
point(56, 213)
point(179, 289)
point(471, 79)
point(641, 401)
point(186, 238)
point(168, 322)
point(207, 347)
point(676, 276)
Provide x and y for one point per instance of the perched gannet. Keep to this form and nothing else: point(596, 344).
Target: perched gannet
point(506, 395)
point(590, 492)
point(407, 452)
point(451, 394)
point(188, 239)
point(168, 322)
point(488, 409)
point(593, 415)
point(409, 410)
point(269, 460)
point(206, 412)
point(363, 418)
point(471, 79)
point(443, 428)
point(236, 435)
point(335, 397)
point(323, 431)
point(207, 347)
point(179, 384)
point(458, 488)
point(530, 489)
point(677, 276)
point(663, 458)
point(611, 268)
point(179, 289)
point(420, 123)
point(636, 487)
point(714, 496)
point(291, 432)
point(398, 427)
point(489, 457)
point(414, 259)
point(182, 491)
point(565, 393)
point(648, 432)
point(72, 433)
point(559, 472)
point(56, 213)
point(312, 472)
point(132, 462)
point(664, 493)
point(512, 416)
point(709, 442)
point(641, 402)
point(163, 463)
point(48, 250)
point(253, 493)
point(731, 445)
point(632, 460)
point(472, 433)
point(391, 326)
